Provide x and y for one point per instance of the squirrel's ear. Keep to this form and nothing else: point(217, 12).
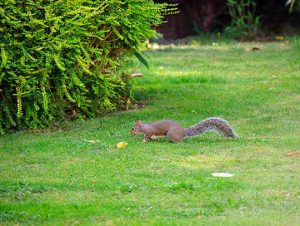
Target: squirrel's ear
point(139, 122)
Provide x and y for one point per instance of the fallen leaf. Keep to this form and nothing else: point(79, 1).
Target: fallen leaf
point(136, 74)
point(293, 154)
point(122, 145)
point(252, 49)
point(92, 141)
point(222, 174)
point(139, 104)
point(279, 38)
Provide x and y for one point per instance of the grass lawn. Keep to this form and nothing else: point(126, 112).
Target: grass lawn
point(59, 178)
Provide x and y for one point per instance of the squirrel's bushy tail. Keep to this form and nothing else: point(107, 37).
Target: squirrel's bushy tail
point(217, 124)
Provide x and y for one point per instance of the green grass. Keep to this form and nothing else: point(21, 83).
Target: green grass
point(58, 178)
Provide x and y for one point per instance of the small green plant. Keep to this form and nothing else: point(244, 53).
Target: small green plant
point(244, 21)
point(293, 4)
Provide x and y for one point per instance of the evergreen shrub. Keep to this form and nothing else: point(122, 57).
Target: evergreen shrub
point(61, 56)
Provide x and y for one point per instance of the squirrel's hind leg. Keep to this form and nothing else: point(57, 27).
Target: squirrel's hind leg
point(175, 135)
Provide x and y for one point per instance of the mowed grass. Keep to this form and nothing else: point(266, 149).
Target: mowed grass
point(60, 178)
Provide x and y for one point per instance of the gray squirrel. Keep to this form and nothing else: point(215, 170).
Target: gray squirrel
point(176, 133)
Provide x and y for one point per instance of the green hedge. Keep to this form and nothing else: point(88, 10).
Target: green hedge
point(61, 56)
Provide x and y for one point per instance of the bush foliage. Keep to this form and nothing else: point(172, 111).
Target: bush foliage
point(60, 56)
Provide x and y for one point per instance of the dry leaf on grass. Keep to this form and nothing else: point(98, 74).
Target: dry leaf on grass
point(279, 38)
point(222, 174)
point(293, 154)
point(252, 49)
point(92, 141)
point(122, 145)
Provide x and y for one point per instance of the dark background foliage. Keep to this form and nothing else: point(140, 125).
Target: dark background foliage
point(197, 16)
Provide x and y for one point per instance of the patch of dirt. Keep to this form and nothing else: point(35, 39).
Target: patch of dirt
point(295, 154)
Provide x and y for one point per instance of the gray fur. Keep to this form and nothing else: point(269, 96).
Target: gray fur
point(217, 124)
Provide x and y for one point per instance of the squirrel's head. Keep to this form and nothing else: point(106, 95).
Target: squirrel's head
point(137, 128)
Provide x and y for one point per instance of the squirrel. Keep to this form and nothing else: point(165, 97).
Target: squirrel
point(172, 130)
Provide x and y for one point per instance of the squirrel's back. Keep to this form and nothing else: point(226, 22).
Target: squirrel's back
point(164, 124)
